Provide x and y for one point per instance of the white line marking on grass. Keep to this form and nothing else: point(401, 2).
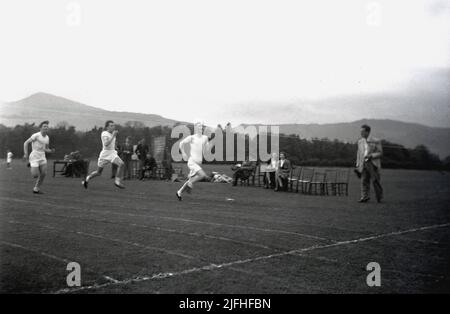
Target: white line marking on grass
point(51, 256)
point(250, 260)
point(176, 219)
point(139, 245)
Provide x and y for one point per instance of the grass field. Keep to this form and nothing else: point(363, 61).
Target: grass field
point(222, 239)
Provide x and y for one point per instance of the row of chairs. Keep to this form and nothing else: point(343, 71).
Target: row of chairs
point(319, 181)
point(309, 180)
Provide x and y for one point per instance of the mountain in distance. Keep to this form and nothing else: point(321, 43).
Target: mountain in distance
point(43, 106)
point(407, 134)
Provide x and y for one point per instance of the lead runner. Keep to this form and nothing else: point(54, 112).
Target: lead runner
point(198, 143)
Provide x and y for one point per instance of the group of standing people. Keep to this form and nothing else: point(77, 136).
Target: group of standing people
point(146, 162)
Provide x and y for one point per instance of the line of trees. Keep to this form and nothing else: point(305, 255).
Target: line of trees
point(314, 152)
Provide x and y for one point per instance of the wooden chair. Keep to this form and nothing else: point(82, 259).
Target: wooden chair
point(306, 177)
point(294, 177)
point(318, 183)
point(342, 181)
point(331, 181)
point(260, 174)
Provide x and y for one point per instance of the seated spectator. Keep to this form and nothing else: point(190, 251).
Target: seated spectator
point(282, 173)
point(243, 171)
point(76, 166)
point(269, 178)
point(149, 164)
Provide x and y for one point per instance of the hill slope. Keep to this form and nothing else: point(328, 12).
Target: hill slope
point(42, 106)
point(408, 134)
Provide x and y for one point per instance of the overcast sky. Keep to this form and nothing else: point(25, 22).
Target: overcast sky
point(210, 59)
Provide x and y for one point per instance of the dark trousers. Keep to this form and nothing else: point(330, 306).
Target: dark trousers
point(242, 174)
point(371, 172)
point(127, 168)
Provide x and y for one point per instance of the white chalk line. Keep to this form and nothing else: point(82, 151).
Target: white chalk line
point(250, 260)
point(135, 244)
point(175, 219)
point(109, 278)
point(54, 257)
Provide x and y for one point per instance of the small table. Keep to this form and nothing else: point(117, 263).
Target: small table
point(64, 164)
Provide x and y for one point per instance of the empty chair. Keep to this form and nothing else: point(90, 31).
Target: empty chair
point(331, 180)
point(294, 178)
point(343, 177)
point(318, 183)
point(306, 177)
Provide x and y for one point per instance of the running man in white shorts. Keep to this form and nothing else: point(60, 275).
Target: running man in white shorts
point(38, 162)
point(108, 155)
point(198, 143)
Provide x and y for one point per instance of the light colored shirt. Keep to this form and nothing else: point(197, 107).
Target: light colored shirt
point(196, 143)
point(366, 148)
point(274, 163)
point(39, 142)
point(106, 136)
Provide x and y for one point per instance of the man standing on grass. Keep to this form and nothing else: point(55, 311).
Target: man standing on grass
point(38, 162)
point(108, 155)
point(198, 143)
point(127, 152)
point(368, 164)
point(141, 151)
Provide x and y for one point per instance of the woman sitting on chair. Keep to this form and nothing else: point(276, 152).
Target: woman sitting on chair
point(269, 180)
point(282, 173)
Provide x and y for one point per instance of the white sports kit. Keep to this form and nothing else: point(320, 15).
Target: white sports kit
point(108, 154)
point(196, 152)
point(38, 145)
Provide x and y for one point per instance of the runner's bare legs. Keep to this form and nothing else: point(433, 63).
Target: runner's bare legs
point(189, 183)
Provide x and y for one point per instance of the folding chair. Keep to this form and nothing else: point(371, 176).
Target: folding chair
point(342, 181)
point(331, 180)
point(306, 177)
point(294, 177)
point(318, 183)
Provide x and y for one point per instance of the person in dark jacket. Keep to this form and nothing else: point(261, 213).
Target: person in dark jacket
point(142, 150)
point(125, 153)
point(243, 172)
point(149, 165)
point(283, 172)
